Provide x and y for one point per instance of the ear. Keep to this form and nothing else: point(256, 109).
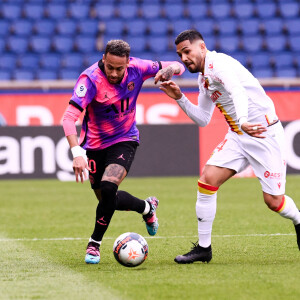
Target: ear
point(202, 45)
point(103, 58)
point(127, 64)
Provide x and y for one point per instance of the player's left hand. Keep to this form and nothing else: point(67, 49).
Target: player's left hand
point(254, 129)
point(164, 74)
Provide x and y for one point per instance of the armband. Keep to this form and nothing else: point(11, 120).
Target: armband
point(76, 151)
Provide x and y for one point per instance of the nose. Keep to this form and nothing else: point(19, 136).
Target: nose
point(114, 73)
point(183, 57)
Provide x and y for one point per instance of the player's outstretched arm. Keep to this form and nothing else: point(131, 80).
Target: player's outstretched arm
point(167, 72)
point(200, 114)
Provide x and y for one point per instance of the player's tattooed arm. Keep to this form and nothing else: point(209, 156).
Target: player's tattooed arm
point(114, 173)
point(167, 73)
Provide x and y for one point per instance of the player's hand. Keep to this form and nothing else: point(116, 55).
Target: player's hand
point(164, 74)
point(79, 166)
point(254, 129)
point(171, 89)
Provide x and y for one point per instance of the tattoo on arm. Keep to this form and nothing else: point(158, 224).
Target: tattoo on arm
point(167, 72)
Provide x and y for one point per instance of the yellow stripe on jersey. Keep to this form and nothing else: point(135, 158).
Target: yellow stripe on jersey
point(207, 189)
point(268, 121)
point(234, 127)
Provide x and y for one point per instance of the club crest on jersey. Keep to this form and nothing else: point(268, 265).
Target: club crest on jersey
point(211, 66)
point(130, 86)
point(81, 90)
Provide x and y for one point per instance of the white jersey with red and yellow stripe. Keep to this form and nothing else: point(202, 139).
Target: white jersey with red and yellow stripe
point(234, 90)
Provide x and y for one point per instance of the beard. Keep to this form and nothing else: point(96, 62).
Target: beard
point(193, 68)
point(115, 80)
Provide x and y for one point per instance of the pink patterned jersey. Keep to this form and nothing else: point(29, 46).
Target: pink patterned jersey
point(111, 108)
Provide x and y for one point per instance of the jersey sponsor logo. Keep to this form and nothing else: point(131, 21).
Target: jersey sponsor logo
point(270, 175)
point(119, 110)
point(81, 90)
point(215, 95)
point(130, 86)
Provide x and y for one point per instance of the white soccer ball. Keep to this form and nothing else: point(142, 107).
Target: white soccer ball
point(130, 249)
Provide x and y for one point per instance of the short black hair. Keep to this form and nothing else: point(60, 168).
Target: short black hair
point(190, 35)
point(118, 48)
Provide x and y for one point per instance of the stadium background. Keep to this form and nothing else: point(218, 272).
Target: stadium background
point(44, 45)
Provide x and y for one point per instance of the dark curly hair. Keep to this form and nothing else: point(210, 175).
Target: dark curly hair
point(118, 48)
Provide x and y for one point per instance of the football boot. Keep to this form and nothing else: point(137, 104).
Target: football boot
point(197, 253)
point(92, 253)
point(151, 219)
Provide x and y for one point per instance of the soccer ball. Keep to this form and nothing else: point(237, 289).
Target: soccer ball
point(130, 249)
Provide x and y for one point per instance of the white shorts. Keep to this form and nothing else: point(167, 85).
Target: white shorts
point(265, 155)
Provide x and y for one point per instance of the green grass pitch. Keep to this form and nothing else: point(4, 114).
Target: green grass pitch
point(45, 225)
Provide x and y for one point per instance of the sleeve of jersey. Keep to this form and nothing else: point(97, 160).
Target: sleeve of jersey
point(236, 91)
point(70, 117)
point(201, 113)
point(83, 93)
point(149, 68)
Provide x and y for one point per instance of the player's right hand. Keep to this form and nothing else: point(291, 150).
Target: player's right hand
point(79, 166)
point(254, 129)
point(171, 89)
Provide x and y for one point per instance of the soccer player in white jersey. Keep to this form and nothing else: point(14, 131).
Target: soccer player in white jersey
point(255, 136)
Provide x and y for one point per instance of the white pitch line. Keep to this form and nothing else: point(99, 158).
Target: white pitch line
point(150, 237)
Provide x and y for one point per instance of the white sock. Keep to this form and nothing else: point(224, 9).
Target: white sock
point(289, 210)
point(91, 240)
point(147, 208)
point(206, 207)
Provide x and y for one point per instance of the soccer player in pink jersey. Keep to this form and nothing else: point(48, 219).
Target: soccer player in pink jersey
point(255, 136)
point(108, 92)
